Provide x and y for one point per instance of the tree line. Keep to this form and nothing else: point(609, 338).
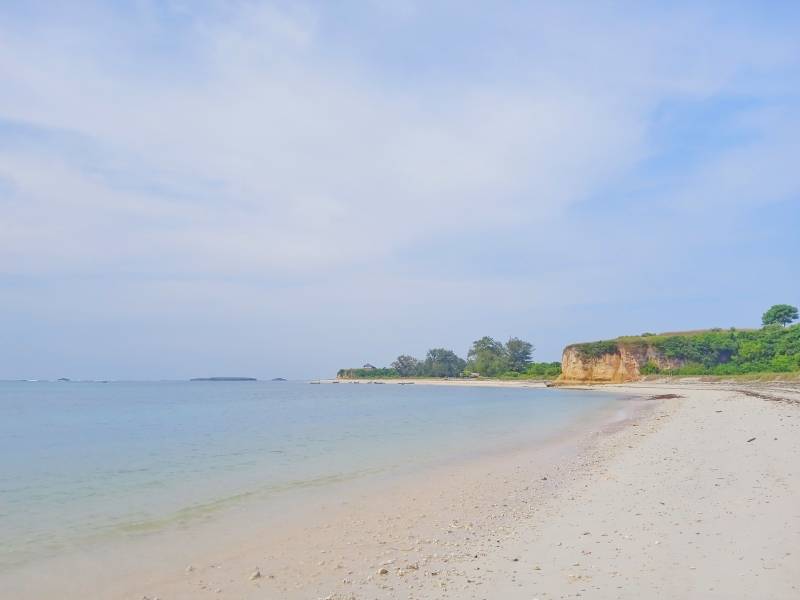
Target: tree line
point(487, 357)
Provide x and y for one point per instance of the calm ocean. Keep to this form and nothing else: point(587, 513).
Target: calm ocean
point(81, 462)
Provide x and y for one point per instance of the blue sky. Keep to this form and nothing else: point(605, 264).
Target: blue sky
point(284, 188)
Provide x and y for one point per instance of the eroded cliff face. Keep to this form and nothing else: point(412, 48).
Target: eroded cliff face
point(622, 364)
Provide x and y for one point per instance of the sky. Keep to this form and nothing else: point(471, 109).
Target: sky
point(197, 188)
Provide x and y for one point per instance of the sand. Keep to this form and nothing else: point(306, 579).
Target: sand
point(676, 500)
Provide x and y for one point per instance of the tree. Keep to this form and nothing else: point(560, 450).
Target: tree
point(406, 366)
point(486, 344)
point(519, 354)
point(440, 362)
point(780, 314)
point(488, 357)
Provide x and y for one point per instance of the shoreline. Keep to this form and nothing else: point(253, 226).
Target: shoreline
point(756, 379)
point(514, 383)
point(671, 500)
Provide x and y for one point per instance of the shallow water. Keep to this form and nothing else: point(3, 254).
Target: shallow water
point(87, 462)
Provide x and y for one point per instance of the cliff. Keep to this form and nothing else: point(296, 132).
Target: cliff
point(771, 349)
point(612, 362)
point(709, 351)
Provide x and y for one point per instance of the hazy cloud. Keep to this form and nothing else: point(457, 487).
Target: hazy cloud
point(248, 172)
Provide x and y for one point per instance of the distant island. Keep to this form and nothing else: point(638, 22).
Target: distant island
point(278, 379)
point(223, 379)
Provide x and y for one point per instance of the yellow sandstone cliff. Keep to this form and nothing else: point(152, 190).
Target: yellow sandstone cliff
point(611, 362)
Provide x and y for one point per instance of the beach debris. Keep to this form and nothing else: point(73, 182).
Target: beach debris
point(751, 440)
point(769, 397)
point(255, 574)
point(189, 568)
point(664, 397)
point(383, 571)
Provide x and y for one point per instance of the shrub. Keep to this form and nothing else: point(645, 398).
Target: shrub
point(650, 368)
point(597, 349)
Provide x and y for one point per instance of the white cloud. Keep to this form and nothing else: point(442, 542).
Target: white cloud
point(316, 164)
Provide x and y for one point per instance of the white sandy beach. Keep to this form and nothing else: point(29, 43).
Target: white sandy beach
point(674, 502)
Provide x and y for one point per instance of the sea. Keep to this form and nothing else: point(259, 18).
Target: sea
point(82, 463)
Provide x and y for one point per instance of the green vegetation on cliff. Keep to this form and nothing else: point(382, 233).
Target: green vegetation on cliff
point(773, 349)
point(596, 349)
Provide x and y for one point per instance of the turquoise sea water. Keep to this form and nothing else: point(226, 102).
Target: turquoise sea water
point(82, 462)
